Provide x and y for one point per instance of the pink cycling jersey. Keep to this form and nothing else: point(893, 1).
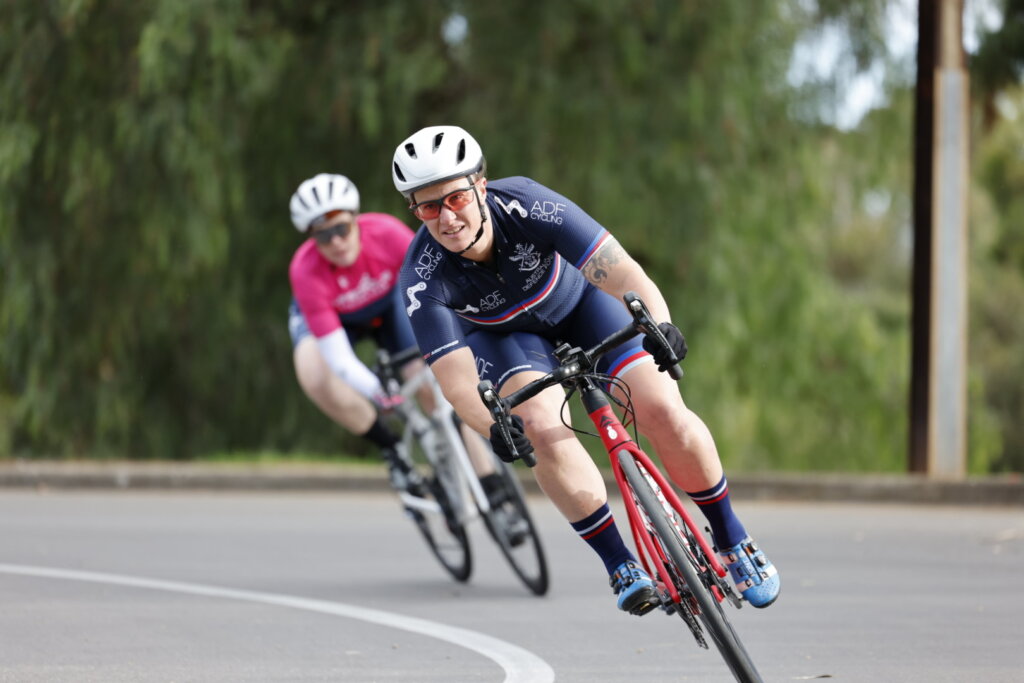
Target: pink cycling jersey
point(324, 291)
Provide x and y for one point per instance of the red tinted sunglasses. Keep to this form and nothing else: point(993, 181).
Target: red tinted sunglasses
point(454, 200)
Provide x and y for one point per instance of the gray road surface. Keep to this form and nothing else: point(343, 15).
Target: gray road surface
point(338, 587)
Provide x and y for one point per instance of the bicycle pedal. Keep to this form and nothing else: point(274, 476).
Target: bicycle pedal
point(646, 603)
point(645, 607)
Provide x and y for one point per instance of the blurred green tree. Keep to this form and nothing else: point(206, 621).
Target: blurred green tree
point(997, 226)
point(148, 149)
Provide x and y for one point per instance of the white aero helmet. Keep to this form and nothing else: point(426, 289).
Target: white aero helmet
point(322, 193)
point(434, 155)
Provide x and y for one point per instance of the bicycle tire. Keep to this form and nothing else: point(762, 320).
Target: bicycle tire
point(690, 567)
point(526, 557)
point(439, 523)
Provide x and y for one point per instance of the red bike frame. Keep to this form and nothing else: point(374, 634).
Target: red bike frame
point(615, 438)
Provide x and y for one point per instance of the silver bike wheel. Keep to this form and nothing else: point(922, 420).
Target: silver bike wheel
point(435, 513)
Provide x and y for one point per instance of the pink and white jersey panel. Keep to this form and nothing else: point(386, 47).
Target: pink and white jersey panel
point(324, 291)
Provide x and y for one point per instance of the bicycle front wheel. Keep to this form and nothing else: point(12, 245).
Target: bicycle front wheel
point(690, 573)
point(512, 528)
point(435, 511)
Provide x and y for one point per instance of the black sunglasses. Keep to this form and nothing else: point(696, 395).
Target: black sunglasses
point(327, 234)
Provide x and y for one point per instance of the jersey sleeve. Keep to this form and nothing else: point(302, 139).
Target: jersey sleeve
point(558, 221)
point(436, 327)
point(343, 361)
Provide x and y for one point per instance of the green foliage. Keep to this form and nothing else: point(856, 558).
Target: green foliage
point(997, 292)
point(148, 149)
point(999, 63)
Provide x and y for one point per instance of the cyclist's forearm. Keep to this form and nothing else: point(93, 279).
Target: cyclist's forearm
point(615, 272)
point(636, 280)
point(651, 296)
point(456, 373)
point(472, 411)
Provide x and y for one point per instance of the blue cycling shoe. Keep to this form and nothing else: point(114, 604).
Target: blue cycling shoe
point(635, 589)
point(755, 576)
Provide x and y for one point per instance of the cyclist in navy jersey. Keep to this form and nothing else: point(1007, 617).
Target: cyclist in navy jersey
point(496, 275)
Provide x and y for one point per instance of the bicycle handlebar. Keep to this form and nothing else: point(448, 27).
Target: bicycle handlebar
point(574, 362)
point(645, 323)
point(503, 418)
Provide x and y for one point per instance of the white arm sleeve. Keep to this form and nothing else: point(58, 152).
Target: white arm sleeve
point(338, 353)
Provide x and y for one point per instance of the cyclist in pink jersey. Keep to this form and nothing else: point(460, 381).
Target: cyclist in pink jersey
point(344, 286)
point(343, 281)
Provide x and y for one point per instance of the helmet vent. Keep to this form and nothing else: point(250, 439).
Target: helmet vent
point(398, 173)
point(461, 153)
point(437, 141)
point(316, 195)
point(410, 149)
point(330, 189)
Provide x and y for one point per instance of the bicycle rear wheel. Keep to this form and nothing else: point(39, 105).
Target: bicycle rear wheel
point(435, 512)
point(690, 573)
point(512, 528)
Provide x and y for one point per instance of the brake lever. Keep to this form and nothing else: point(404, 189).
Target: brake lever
point(645, 324)
point(499, 411)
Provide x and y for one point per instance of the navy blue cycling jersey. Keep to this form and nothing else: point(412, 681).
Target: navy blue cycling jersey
point(542, 241)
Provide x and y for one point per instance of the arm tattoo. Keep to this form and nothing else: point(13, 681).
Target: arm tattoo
point(597, 268)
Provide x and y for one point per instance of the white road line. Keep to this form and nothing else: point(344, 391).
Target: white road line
point(520, 666)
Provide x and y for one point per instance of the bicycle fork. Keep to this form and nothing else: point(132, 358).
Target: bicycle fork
point(616, 441)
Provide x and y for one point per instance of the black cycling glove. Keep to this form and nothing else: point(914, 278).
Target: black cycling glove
point(675, 340)
point(519, 439)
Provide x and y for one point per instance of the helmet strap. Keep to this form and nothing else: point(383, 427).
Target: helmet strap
point(483, 219)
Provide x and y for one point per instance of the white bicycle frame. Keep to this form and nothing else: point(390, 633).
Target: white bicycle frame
point(417, 422)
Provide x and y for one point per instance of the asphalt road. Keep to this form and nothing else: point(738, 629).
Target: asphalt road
point(264, 586)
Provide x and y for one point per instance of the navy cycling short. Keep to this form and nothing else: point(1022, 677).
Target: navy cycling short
point(384, 321)
point(500, 355)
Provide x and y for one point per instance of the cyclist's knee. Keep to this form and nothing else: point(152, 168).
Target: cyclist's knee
point(666, 418)
point(653, 402)
point(543, 427)
point(660, 410)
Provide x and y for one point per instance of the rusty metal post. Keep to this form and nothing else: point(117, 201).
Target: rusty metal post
point(938, 390)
